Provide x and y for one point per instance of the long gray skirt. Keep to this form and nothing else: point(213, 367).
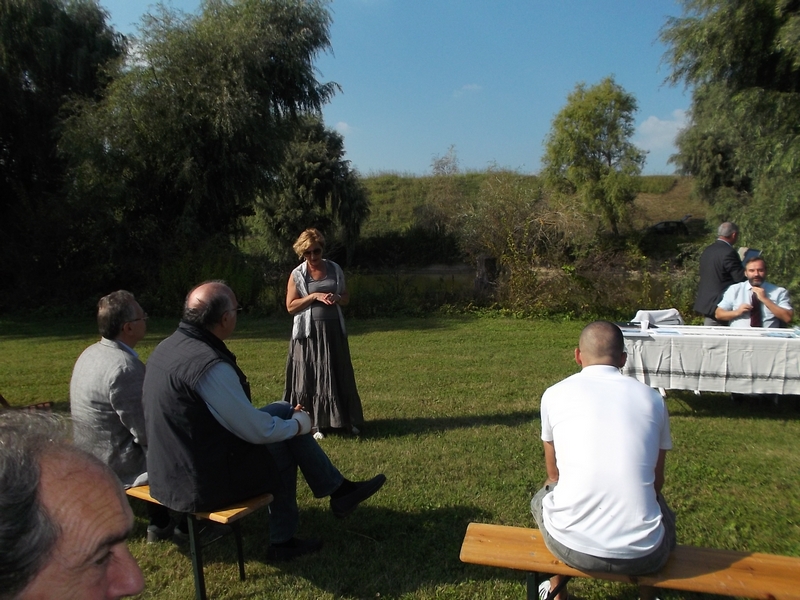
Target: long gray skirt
point(319, 376)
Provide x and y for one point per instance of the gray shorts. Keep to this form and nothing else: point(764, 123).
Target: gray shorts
point(587, 562)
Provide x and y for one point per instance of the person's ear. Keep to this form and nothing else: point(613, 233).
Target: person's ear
point(578, 356)
point(623, 358)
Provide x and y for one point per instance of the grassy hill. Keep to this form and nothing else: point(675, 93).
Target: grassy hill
point(396, 200)
point(670, 205)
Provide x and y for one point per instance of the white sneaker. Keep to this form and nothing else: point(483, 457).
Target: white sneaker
point(319, 435)
point(544, 589)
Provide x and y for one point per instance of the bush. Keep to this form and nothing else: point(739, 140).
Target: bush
point(215, 260)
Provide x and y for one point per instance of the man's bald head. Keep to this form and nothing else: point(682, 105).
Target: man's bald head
point(207, 303)
point(601, 343)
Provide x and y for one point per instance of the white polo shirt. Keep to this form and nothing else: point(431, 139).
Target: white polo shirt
point(607, 430)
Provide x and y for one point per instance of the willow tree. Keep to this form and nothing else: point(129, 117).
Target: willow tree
point(741, 58)
point(51, 51)
point(194, 128)
point(315, 186)
point(589, 158)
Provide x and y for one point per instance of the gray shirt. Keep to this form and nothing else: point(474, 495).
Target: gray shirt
point(106, 404)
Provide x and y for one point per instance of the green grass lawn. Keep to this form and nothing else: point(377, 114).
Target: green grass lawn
point(452, 409)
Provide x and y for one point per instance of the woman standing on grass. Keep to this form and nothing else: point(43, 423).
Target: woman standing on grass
point(319, 374)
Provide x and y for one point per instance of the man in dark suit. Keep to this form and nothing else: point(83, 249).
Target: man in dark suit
point(720, 267)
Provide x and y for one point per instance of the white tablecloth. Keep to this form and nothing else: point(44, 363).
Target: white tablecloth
point(715, 359)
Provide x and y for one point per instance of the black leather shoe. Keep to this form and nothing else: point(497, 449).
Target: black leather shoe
point(293, 549)
point(208, 532)
point(343, 506)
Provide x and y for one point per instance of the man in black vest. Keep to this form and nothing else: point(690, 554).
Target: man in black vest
point(720, 267)
point(209, 447)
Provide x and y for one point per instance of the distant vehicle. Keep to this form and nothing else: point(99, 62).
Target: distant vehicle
point(670, 227)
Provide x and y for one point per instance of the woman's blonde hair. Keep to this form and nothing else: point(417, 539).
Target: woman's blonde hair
point(307, 239)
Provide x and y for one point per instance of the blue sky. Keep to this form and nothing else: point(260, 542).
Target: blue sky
point(485, 76)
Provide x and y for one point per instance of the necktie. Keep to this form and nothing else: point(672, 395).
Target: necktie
point(755, 312)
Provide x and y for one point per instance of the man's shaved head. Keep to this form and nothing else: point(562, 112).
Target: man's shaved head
point(601, 343)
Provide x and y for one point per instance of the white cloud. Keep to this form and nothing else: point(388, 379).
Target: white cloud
point(470, 88)
point(656, 134)
point(343, 128)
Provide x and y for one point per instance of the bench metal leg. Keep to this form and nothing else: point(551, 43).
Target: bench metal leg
point(237, 534)
point(533, 581)
point(195, 548)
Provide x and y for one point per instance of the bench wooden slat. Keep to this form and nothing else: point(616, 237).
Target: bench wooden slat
point(705, 570)
point(225, 515)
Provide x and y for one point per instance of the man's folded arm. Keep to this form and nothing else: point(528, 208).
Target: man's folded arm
point(225, 398)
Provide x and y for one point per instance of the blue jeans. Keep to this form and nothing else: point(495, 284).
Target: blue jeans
point(320, 474)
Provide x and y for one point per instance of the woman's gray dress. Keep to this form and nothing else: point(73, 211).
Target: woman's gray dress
point(319, 374)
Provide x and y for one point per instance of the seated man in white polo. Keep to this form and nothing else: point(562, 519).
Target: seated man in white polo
point(605, 440)
point(755, 302)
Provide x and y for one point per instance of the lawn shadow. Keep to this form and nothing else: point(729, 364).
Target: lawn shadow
point(68, 328)
point(389, 428)
point(386, 553)
point(713, 404)
point(378, 552)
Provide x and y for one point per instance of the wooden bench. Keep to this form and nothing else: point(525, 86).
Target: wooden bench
point(691, 569)
point(226, 516)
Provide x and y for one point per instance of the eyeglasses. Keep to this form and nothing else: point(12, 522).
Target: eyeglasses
point(144, 317)
point(238, 309)
point(316, 252)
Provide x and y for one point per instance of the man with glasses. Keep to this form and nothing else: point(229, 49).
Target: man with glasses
point(210, 447)
point(106, 399)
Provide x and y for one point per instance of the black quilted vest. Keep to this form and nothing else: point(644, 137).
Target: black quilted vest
point(193, 462)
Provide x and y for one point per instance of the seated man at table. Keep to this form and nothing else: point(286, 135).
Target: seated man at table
point(755, 302)
point(210, 447)
point(605, 440)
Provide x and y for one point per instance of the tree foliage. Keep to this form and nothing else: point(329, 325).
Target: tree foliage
point(314, 187)
point(589, 157)
point(193, 128)
point(742, 144)
point(51, 51)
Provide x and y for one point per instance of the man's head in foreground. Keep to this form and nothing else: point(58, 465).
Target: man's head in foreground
point(64, 518)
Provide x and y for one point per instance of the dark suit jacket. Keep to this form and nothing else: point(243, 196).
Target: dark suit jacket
point(720, 267)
